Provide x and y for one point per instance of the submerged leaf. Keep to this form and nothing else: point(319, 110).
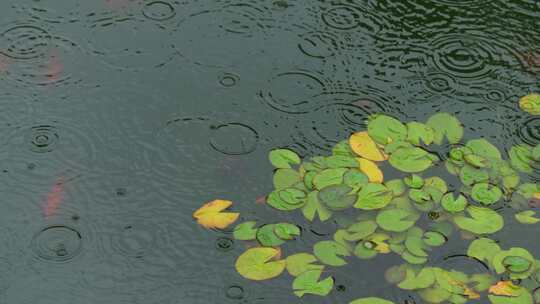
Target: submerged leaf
point(527, 217)
point(385, 129)
point(283, 158)
point(530, 103)
point(337, 197)
point(308, 282)
point(210, 215)
point(411, 160)
point(329, 252)
point(363, 145)
point(445, 125)
point(481, 221)
point(256, 264)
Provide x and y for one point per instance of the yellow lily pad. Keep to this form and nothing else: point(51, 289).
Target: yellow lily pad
point(210, 215)
point(363, 145)
point(530, 104)
point(370, 168)
point(255, 263)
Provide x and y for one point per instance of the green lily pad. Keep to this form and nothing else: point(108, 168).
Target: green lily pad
point(476, 161)
point(527, 217)
point(287, 199)
point(256, 264)
point(337, 197)
point(245, 231)
point(535, 153)
point(341, 161)
point(436, 182)
point(451, 204)
point(445, 125)
point(343, 148)
point(418, 132)
point(360, 230)
point(302, 262)
point(314, 207)
point(396, 220)
point(396, 186)
point(308, 283)
point(481, 221)
point(267, 237)
point(411, 160)
point(483, 148)
point(419, 196)
point(373, 196)
point(423, 279)
point(285, 178)
point(486, 194)
point(521, 158)
point(385, 129)
point(525, 297)
point(355, 178)
point(330, 252)
point(393, 146)
point(517, 261)
point(434, 238)
point(434, 294)
point(414, 181)
point(371, 300)
point(286, 231)
point(481, 281)
point(530, 103)
point(527, 190)
point(283, 158)
point(483, 249)
point(470, 175)
point(413, 259)
point(329, 177)
point(416, 246)
point(365, 250)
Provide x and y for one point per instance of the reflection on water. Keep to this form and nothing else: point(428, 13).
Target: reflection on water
point(150, 108)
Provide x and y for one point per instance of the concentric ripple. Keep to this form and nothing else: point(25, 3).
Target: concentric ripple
point(318, 44)
point(342, 17)
point(159, 10)
point(234, 139)
point(529, 131)
point(24, 41)
point(57, 243)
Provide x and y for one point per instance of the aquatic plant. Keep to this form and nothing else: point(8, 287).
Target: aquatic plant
point(409, 216)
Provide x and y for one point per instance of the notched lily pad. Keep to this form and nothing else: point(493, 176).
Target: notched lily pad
point(481, 221)
point(373, 196)
point(411, 160)
point(330, 252)
point(329, 177)
point(308, 282)
point(486, 194)
point(287, 199)
point(245, 231)
point(283, 158)
point(256, 264)
point(451, 204)
point(337, 197)
point(445, 125)
point(302, 262)
point(363, 145)
point(396, 220)
point(418, 133)
point(385, 129)
point(527, 217)
point(530, 103)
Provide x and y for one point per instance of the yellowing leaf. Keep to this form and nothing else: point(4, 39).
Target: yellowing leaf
point(370, 169)
point(210, 215)
point(363, 145)
point(466, 290)
point(255, 263)
point(530, 104)
point(504, 288)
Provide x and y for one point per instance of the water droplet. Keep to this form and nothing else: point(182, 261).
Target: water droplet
point(24, 41)
point(224, 244)
point(57, 243)
point(121, 191)
point(158, 10)
point(234, 139)
point(234, 292)
point(342, 17)
point(43, 138)
point(228, 80)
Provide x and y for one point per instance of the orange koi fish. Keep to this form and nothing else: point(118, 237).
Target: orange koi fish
point(116, 5)
point(4, 63)
point(54, 197)
point(53, 67)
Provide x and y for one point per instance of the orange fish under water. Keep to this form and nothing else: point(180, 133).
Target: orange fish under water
point(116, 5)
point(4, 63)
point(54, 197)
point(53, 67)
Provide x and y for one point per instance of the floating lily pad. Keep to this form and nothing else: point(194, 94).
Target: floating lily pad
point(397, 186)
point(418, 133)
point(371, 300)
point(361, 230)
point(530, 103)
point(302, 262)
point(413, 259)
point(374, 174)
point(267, 237)
point(483, 249)
point(285, 178)
point(393, 146)
point(416, 246)
point(245, 231)
point(308, 282)
point(518, 262)
point(524, 298)
point(486, 194)
point(445, 125)
point(211, 214)
point(286, 231)
point(343, 148)
point(411, 160)
point(483, 148)
point(287, 199)
point(283, 158)
point(256, 264)
point(329, 177)
point(423, 279)
point(419, 196)
point(314, 207)
point(385, 129)
point(355, 179)
point(527, 217)
point(330, 252)
point(337, 197)
point(414, 181)
point(434, 238)
point(470, 175)
point(365, 250)
point(364, 146)
point(341, 161)
point(451, 204)
point(481, 221)
point(535, 153)
point(373, 196)
point(521, 158)
point(476, 161)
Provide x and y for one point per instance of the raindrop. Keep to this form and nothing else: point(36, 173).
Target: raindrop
point(224, 244)
point(24, 41)
point(234, 292)
point(234, 139)
point(158, 10)
point(529, 132)
point(43, 139)
point(121, 191)
point(228, 80)
point(57, 243)
point(342, 17)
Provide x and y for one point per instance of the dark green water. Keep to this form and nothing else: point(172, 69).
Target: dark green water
point(144, 110)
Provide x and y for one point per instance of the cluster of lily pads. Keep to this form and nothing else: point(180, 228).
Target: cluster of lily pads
point(408, 216)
